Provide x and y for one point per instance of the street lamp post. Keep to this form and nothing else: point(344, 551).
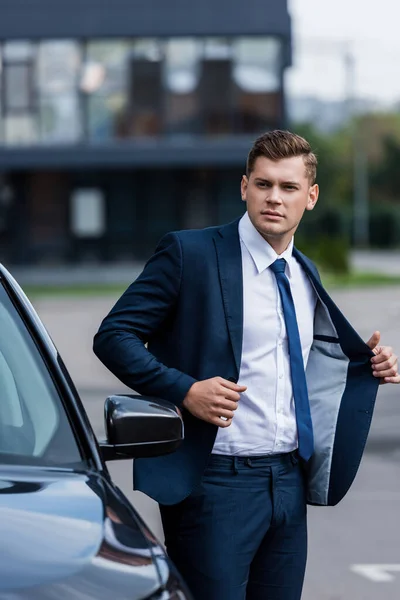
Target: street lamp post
point(360, 160)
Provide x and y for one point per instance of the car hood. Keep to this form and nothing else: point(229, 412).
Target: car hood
point(66, 534)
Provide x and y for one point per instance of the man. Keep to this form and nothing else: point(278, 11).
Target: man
point(275, 387)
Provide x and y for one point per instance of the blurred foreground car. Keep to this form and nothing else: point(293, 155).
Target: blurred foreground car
point(66, 531)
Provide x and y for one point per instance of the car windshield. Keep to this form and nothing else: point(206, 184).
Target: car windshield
point(34, 427)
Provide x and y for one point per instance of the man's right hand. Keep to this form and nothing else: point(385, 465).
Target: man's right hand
point(212, 399)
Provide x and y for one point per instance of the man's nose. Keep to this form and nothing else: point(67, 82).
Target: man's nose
point(274, 195)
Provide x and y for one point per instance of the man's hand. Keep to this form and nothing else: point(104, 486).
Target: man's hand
point(212, 399)
point(384, 363)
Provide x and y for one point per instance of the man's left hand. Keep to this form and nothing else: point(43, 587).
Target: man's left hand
point(384, 363)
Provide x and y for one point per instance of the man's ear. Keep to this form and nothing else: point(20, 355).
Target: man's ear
point(243, 186)
point(313, 195)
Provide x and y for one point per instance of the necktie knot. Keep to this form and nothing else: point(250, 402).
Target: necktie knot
point(279, 266)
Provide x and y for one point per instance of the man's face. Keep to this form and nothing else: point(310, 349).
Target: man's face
point(277, 193)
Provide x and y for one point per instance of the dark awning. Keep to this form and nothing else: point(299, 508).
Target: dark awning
point(105, 18)
point(224, 152)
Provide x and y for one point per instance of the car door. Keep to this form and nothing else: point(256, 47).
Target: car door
point(65, 530)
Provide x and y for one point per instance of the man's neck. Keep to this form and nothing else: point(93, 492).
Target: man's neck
point(279, 244)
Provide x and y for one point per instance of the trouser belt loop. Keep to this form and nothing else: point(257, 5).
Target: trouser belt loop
point(235, 466)
point(294, 457)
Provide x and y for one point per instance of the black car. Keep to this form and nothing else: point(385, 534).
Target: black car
point(66, 531)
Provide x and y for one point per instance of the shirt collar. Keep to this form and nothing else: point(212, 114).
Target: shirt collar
point(259, 249)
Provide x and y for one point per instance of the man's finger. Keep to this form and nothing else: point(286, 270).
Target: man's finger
point(385, 353)
point(392, 372)
point(385, 363)
point(374, 340)
point(391, 379)
point(227, 404)
point(225, 394)
point(221, 422)
point(231, 385)
point(226, 415)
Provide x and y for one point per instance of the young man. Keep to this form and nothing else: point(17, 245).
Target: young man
point(275, 387)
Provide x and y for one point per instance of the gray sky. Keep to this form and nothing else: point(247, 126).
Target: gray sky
point(321, 29)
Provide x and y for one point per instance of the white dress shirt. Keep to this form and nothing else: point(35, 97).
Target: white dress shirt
point(265, 420)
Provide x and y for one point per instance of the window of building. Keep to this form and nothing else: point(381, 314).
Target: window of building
point(18, 51)
point(123, 85)
point(257, 64)
point(216, 87)
point(88, 218)
point(17, 87)
point(150, 49)
point(182, 56)
point(18, 94)
point(58, 68)
point(104, 83)
point(144, 115)
point(181, 83)
point(69, 91)
point(257, 68)
point(217, 48)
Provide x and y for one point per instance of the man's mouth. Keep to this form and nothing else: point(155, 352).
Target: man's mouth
point(272, 215)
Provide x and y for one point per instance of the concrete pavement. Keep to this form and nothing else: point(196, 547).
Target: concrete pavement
point(375, 261)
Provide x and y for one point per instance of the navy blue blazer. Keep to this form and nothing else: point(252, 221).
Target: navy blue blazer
point(187, 306)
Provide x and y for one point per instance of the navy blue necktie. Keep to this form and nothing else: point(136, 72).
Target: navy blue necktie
point(299, 384)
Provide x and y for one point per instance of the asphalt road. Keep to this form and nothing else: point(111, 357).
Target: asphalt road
point(354, 548)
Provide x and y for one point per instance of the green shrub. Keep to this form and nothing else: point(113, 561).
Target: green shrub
point(330, 254)
point(384, 226)
point(324, 236)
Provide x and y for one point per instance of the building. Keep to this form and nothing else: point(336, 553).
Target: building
point(123, 120)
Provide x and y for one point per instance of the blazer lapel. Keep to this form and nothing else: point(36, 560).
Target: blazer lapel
point(229, 257)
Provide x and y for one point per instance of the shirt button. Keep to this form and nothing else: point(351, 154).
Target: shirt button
point(281, 376)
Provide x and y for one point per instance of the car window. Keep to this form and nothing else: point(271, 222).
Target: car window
point(34, 427)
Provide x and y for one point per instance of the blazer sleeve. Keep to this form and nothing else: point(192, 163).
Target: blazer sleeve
point(138, 314)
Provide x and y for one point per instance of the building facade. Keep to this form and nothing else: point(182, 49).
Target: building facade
point(122, 121)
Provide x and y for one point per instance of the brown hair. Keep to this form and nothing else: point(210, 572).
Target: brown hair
point(278, 144)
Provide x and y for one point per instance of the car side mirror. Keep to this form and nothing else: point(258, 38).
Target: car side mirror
point(140, 427)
